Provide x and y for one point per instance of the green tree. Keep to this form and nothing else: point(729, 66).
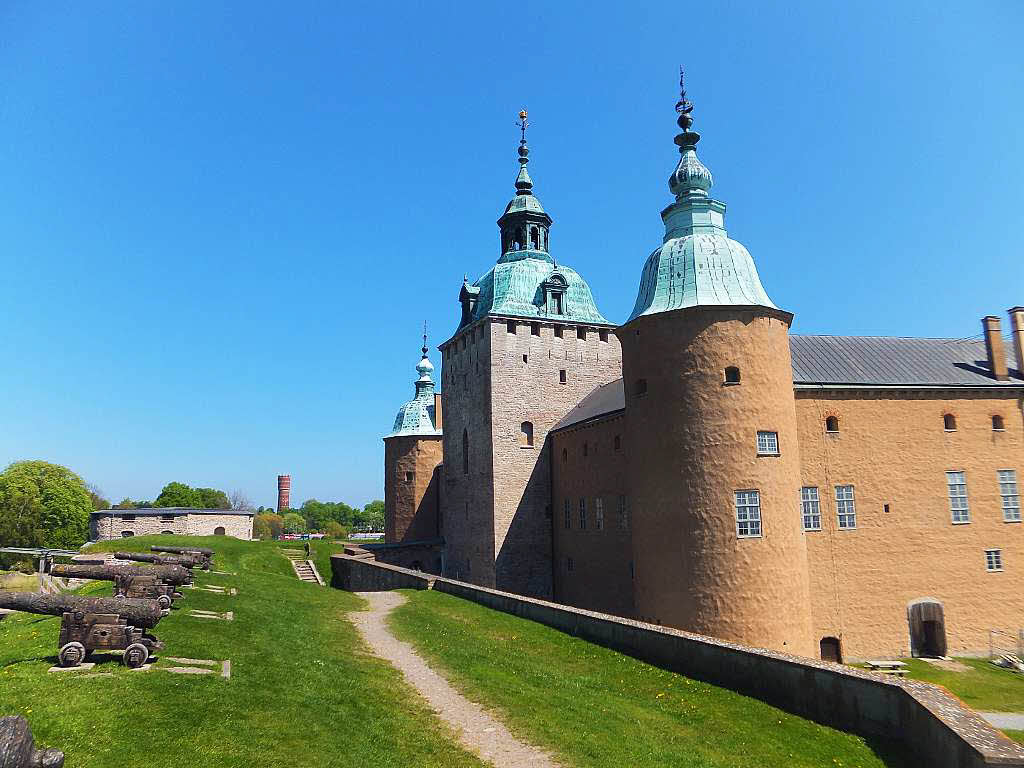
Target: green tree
point(96, 496)
point(48, 499)
point(372, 516)
point(293, 523)
point(177, 495)
point(210, 498)
point(335, 530)
point(268, 525)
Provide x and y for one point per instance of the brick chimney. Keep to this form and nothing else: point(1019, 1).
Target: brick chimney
point(994, 348)
point(284, 492)
point(437, 410)
point(1017, 332)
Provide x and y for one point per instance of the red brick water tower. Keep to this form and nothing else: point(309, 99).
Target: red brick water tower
point(284, 492)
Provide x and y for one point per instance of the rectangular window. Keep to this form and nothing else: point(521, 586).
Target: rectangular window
point(603, 336)
point(993, 559)
point(558, 330)
point(561, 376)
point(569, 564)
point(581, 333)
point(510, 326)
point(845, 509)
point(568, 515)
point(408, 477)
point(128, 518)
point(748, 514)
point(535, 329)
point(583, 514)
point(810, 507)
point(599, 513)
point(623, 514)
point(768, 443)
point(957, 482)
point(1009, 494)
point(166, 518)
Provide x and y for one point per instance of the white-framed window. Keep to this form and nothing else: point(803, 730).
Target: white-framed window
point(748, 514)
point(846, 510)
point(810, 508)
point(583, 514)
point(768, 443)
point(993, 559)
point(623, 514)
point(957, 482)
point(1010, 495)
point(568, 515)
point(599, 513)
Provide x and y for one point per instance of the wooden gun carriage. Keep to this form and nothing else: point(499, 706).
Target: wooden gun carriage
point(95, 624)
point(156, 583)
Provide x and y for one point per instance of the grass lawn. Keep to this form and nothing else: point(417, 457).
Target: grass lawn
point(302, 692)
point(594, 707)
point(984, 686)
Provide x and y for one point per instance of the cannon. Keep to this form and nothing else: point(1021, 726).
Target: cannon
point(94, 623)
point(186, 561)
point(129, 581)
point(18, 748)
point(203, 552)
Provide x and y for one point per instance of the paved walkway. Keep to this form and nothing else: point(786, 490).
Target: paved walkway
point(476, 729)
point(1012, 720)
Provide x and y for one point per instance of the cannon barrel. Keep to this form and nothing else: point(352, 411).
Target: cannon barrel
point(183, 550)
point(138, 613)
point(144, 557)
point(174, 575)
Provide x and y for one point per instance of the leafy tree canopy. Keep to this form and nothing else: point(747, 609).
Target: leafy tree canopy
point(293, 523)
point(180, 495)
point(43, 504)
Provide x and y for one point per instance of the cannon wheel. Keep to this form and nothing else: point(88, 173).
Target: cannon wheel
point(71, 654)
point(165, 602)
point(135, 655)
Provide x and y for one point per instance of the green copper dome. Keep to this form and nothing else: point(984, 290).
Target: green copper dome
point(526, 281)
point(698, 264)
point(416, 417)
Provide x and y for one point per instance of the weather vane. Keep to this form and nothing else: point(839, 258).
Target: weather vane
point(683, 106)
point(522, 123)
point(424, 338)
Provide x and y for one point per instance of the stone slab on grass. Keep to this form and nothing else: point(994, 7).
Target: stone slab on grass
point(80, 668)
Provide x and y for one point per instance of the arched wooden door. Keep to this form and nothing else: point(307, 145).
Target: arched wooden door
point(831, 650)
point(927, 628)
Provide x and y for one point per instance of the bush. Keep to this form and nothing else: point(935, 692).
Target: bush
point(43, 504)
point(335, 530)
point(267, 525)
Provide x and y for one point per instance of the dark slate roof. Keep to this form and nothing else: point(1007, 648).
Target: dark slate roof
point(855, 361)
point(895, 361)
point(153, 511)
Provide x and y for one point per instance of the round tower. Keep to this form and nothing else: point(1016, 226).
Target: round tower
point(284, 493)
point(714, 465)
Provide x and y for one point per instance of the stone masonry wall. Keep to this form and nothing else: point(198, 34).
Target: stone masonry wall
point(113, 527)
point(893, 449)
point(411, 488)
point(587, 465)
point(527, 386)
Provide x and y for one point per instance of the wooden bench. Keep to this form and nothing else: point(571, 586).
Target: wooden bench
point(897, 668)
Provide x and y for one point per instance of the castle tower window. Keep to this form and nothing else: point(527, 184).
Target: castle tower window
point(846, 512)
point(997, 424)
point(526, 358)
point(832, 424)
point(408, 477)
point(1010, 495)
point(565, 454)
point(568, 515)
point(767, 443)
point(599, 513)
point(810, 508)
point(583, 514)
point(993, 559)
point(561, 376)
point(534, 238)
point(956, 481)
point(732, 375)
point(510, 326)
point(558, 329)
point(581, 333)
point(949, 422)
point(465, 452)
point(640, 387)
point(569, 564)
point(535, 329)
point(526, 434)
point(603, 335)
point(748, 514)
point(617, 442)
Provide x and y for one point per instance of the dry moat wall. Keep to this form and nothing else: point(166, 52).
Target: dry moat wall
point(935, 727)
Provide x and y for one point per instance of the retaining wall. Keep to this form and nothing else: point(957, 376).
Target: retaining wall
point(934, 726)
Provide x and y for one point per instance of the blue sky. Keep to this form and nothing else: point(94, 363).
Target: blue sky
point(223, 224)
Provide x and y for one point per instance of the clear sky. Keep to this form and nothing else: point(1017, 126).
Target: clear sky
point(222, 225)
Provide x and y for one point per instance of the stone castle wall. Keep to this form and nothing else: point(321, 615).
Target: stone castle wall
point(115, 526)
point(411, 492)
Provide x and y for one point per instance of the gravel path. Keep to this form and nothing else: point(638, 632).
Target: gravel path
point(476, 729)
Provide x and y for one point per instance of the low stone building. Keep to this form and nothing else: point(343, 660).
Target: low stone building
point(179, 521)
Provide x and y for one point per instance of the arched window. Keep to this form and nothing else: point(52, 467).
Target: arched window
point(832, 424)
point(640, 387)
point(534, 238)
point(732, 375)
point(465, 452)
point(949, 422)
point(127, 534)
point(218, 531)
point(526, 434)
point(997, 423)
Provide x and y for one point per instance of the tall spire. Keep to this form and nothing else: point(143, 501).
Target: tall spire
point(691, 177)
point(524, 184)
point(424, 367)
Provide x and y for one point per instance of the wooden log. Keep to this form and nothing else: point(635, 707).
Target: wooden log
point(138, 613)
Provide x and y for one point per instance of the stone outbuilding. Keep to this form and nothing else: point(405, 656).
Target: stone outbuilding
point(178, 521)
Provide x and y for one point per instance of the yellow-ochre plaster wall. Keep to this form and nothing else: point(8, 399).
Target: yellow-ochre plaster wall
point(893, 449)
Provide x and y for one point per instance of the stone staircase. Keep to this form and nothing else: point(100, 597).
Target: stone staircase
point(304, 569)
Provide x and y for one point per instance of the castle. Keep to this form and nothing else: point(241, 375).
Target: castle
point(700, 467)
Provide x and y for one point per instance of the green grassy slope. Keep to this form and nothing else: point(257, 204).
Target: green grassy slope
point(595, 707)
point(984, 686)
point(303, 692)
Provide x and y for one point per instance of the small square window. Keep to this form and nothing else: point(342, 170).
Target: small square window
point(748, 514)
point(558, 331)
point(561, 376)
point(581, 333)
point(535, 329)
point(510, 326)
point(810, 507)
point(768, 443)
point(408, 477)
point(993, 559)
point(603, 335)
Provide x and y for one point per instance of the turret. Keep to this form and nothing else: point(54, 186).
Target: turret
point(714, 467)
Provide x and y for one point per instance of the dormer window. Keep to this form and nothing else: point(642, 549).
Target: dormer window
point(554, 294)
